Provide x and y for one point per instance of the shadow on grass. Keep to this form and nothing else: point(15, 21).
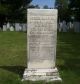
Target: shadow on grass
point(15, 69)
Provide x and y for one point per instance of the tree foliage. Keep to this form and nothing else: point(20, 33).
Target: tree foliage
point(62, 6)
point(13, 10)
point(68, 8)
point(74, 6)
point(34, 6)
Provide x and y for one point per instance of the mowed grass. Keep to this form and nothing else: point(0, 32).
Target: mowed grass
point(13, 58)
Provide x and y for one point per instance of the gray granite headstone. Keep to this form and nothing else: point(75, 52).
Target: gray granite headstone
point(64, 26)
point(24, 26)
point(42, 39)
point(76, 26)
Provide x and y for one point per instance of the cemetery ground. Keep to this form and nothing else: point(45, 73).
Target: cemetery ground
point(13, 58)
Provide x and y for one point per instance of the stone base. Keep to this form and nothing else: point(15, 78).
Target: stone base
point(41, 74)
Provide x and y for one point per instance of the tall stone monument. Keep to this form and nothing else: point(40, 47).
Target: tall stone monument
point(41, 45)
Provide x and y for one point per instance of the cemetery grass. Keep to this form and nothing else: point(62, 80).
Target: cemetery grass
point(13, 58)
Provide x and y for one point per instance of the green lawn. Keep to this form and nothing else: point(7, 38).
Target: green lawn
point(13, 58)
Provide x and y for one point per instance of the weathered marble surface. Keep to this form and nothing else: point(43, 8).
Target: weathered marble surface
point(41, 74)
point(41, 42)
point(41, 35)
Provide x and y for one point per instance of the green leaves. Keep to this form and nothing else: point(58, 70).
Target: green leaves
point(13, 10)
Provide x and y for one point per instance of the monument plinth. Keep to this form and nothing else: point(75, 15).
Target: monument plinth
point(41, 45)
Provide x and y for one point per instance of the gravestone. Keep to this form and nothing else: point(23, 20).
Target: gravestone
point(8, 25)
point(11, 28)
point(4, 28)
point(0, 28)
point(17, 27)
point(76, 26)
point(24, 26)
point(21, 27)
point(64, 26)
point(41, 45)
point(70, 26)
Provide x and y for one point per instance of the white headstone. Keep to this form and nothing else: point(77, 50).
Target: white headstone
point(4, 28)
point(17, 27)
point(70, 25)
point(42, 39)
point(8, 25)
point(11, 28)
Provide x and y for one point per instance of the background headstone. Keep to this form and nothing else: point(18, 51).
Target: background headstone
point(4, 28)
point(8, 25)
point(17, 27)
point(24, 26)
point(60, 26)
point(76, 26)
point(21, 27)
point(11, 28)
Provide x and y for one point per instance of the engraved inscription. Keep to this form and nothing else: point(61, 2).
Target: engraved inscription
point(42, 31)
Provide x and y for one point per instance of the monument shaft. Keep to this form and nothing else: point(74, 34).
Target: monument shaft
point(41, 36)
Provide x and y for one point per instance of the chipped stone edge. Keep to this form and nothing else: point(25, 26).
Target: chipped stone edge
point(47, 75)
